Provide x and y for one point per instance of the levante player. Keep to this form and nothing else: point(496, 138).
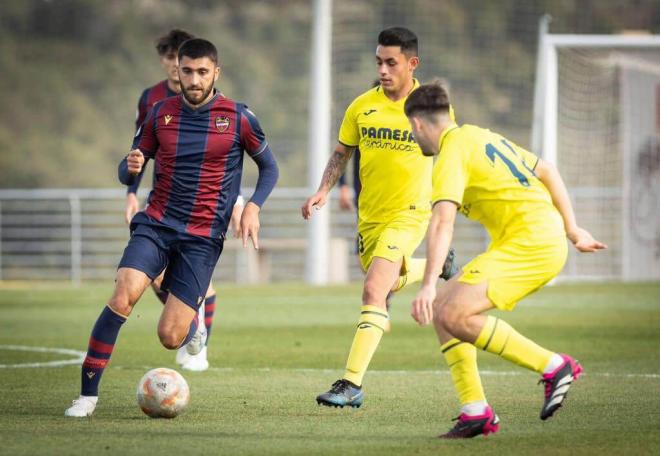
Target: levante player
point(523, 203)
point(167, 47)
point(394, 202)
point(198, 140)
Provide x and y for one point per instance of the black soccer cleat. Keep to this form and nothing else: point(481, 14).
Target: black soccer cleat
point(470, 426)
point(557, 384)
point(341, 394)
point(450, 268)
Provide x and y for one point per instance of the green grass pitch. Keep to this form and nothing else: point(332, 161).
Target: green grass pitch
point(274, 348)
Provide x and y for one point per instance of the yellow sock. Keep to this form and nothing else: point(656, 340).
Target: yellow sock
point(367, 337)
point(415, 272)
point(498, 337)
point(461, 358)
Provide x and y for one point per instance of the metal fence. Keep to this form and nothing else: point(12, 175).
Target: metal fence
point(80, 234)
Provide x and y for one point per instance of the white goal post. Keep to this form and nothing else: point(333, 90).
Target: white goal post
point(597, 118)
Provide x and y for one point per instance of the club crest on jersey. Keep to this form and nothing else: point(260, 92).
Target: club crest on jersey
point(222, 123)
point(168, 119)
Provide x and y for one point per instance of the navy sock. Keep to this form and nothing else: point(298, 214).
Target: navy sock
point(191, 332)
point(209, 310)
point(101, 343)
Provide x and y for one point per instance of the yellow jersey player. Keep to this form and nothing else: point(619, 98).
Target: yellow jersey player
point(394, 203)
point(523, 204)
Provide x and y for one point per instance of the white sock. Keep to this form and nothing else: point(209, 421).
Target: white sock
point(474, 408)
point(92, 399)
point(554, 363)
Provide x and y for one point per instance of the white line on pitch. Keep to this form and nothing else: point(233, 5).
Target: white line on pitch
point(488, 373)
point(79, 356)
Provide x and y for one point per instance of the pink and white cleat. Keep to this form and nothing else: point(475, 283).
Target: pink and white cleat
point(469, 426)
point(557, 384)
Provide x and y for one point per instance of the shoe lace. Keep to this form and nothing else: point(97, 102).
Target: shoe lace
point(339, 386)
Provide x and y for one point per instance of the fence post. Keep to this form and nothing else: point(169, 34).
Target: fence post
point(76, 239)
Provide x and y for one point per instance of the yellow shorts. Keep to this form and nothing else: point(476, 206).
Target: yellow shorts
point(392, 240)
point(515, 268)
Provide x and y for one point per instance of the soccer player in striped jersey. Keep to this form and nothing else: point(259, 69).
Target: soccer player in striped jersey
point(167, 47)
point(394, 204)
point(197, 140)
point(523, 203)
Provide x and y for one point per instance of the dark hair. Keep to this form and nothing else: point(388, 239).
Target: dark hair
point(402, 37)
point(197, 48)
point(172, 41)
point(427, 100)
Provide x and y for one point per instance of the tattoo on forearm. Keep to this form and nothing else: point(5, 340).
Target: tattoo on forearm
point(335, 167)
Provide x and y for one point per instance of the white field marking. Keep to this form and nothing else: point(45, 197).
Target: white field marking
point(79, 356)
point(487, 373)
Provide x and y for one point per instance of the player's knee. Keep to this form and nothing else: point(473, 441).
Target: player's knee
point(372, 294)
point(449, 317)
point(121, 304)
point(169, 337)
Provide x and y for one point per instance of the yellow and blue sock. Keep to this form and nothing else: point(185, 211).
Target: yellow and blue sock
point(499, 338)
point(101, 343)
point(370, 328)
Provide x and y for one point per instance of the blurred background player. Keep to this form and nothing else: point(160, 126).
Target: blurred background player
point(198, 141)
point(394, 206)
point(523, 203)
point(167, 47)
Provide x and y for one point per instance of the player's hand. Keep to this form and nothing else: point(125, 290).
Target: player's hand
point(132, 207)
point(249, 227)
point(235, 221)
point(584, 241)
point(345, 198)
point(316, 201)
point(422, 306)
point(135, 161)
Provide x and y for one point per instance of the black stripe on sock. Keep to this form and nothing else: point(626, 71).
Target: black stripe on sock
point(446, 349)
point(504, 345)
point(491, 334)
point(365, 312)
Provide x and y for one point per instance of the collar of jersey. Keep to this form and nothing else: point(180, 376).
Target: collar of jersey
point(403, 100)
point(206, 107)
point(452, 126)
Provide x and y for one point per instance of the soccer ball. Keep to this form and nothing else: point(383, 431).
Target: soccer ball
point(163, 393)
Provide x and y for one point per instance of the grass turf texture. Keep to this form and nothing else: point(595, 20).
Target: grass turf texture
point(274, 348)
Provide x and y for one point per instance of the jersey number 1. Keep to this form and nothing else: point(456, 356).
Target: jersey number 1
point(492, 152)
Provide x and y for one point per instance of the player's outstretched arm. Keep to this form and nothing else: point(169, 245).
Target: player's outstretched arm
point(581, 238)
point(438, 240)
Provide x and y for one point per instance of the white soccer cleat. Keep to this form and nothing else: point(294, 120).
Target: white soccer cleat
point(182, 356)
point(196, 363)
point(198, 340)
point(82, 407)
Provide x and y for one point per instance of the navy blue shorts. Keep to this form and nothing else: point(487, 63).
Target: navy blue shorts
point(190, 260)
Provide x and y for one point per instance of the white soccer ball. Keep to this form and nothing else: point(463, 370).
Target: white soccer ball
point(163, 393)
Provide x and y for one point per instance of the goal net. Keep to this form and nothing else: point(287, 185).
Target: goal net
point(601, 127)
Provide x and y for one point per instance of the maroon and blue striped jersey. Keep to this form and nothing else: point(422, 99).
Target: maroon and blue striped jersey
point(150, 96)
point(198, 162)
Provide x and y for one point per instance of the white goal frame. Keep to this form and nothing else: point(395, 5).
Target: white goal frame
point(546, 96)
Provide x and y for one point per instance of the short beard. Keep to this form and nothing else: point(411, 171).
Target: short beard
point(205, 94)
